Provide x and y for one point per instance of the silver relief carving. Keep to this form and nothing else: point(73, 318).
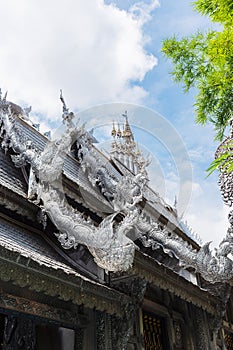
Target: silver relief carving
point(111, 242)
point(214, 267)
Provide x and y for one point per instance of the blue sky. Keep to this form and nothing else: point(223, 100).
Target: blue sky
point(110, 51)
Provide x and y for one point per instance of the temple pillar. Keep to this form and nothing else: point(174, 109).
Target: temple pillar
point(201, 336)
point(122, 327)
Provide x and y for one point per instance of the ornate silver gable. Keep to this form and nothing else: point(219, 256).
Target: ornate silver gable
point(111, 242)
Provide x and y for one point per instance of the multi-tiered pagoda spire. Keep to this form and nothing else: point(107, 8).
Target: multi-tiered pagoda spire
point(125, 149)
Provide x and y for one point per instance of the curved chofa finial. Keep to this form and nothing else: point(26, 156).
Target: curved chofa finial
point(112, 241)
point(66, 115)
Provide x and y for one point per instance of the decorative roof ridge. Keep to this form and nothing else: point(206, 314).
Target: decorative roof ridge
point(110, 242)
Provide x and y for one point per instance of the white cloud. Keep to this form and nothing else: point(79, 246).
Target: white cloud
point(207, 214)
point(196, 154)
point(142, 11)
point(209, 221)
point(93, 51)
point(204, 212)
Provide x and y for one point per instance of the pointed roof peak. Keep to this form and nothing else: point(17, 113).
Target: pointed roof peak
point(113, 130)
point(127, 133)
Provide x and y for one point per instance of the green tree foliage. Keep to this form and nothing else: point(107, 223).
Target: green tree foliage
point(205, 61)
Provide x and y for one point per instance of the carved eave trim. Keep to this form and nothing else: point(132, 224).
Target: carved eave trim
point(148, 268)
point(42, 311)
point(26, 273)
point(17, 203)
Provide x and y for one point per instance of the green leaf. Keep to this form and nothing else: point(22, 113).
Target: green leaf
point(205, 61)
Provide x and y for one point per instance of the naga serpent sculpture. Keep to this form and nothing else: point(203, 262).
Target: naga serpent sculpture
point(109, 242)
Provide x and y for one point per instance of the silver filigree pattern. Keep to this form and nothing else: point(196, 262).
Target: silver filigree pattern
point(111, 242)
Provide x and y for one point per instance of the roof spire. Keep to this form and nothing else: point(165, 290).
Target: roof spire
point(126, 150)
point(127, 133)
point(138, 151)
point(5, 96)
point(119, 134)
point(113, 130)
